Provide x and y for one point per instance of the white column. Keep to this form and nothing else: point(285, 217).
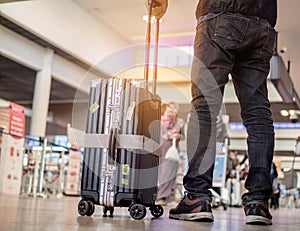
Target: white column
point(41, 96)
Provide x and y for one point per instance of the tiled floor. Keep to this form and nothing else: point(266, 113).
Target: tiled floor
point(56, 214)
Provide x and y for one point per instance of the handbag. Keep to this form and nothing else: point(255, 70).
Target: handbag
point(172, 152)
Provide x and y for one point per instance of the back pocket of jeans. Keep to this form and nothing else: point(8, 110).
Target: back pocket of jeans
point(231, 30)
point(269, 45)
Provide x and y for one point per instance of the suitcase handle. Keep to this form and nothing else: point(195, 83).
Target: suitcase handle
point(112, 141)
point(147, 49)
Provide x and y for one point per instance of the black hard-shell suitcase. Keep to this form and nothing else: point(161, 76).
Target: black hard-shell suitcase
point(121, 155)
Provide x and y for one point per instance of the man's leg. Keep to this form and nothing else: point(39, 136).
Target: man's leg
point(210, 71)
point(249, 78)
point(201, 136)
point(257, 119)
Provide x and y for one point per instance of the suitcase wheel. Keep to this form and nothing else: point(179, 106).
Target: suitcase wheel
point(91, 208)
point(156, 211)
point(106, 209)
point(137, 211)
point(86, 208)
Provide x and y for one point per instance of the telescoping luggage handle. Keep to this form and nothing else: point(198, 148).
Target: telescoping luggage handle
point(134, 142)
point(147, 49)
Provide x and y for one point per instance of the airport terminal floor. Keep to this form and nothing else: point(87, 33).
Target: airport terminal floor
point(60, 213)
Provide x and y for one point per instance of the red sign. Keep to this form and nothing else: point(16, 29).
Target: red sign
point(17, 120)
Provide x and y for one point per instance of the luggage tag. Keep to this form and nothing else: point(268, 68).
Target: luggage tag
point(94, 107)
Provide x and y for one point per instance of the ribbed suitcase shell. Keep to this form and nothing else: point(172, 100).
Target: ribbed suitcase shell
point(132, 175)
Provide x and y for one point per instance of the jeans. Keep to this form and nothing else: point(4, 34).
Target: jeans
point(242, 46)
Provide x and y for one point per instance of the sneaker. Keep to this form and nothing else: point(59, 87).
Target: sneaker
point(257, 213)
point(192, 209)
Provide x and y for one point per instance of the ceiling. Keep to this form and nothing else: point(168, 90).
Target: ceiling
point(17, 85)
point(125, 18)
point(178, 26)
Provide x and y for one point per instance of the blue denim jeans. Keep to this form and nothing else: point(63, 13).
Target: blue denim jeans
point(242, 46)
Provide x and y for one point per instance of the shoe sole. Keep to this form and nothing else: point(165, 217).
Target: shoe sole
point(201, 217)
point(258, 220)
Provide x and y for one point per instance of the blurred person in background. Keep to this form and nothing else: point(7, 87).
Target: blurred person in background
point(171, 128)
point(233, 164)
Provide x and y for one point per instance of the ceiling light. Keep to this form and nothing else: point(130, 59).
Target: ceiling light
point(292, 112)
point(284, 112)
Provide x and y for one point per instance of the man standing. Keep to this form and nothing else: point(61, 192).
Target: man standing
point(234, 37)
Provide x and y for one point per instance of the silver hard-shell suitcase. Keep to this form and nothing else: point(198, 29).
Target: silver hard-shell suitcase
point(121, 155)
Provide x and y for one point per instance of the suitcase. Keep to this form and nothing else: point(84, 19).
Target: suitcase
point(121, 155)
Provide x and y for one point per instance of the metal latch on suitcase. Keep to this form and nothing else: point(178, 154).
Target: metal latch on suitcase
point(124, 141)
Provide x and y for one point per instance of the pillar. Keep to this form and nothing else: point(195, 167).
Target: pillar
point(41, 96)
